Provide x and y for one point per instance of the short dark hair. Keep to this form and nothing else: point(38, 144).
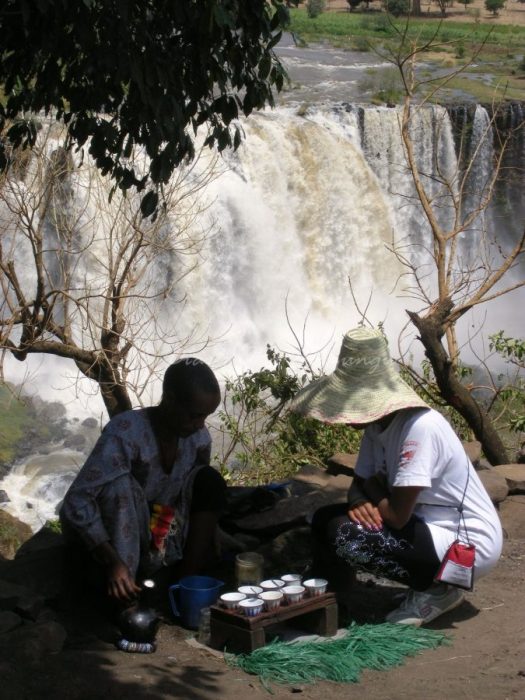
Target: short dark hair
point(187, 375)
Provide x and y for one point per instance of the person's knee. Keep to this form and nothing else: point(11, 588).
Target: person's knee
point(325, 515)
point(209, 491)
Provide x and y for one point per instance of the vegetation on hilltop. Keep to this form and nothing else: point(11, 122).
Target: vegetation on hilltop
point(499, 69)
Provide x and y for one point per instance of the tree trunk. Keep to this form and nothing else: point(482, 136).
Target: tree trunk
point(112, 388)
point(415, 8)
point(431, 330)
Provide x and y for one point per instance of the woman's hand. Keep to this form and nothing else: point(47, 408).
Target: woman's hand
point(121, 584)
point(367, 515)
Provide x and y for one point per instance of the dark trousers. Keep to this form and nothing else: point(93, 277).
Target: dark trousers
point(407, 555)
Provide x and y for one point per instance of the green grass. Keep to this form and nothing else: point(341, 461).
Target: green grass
point(335, 26)
point(17, 418)
point(13, 423)
point(494, 48)
point(487, 93)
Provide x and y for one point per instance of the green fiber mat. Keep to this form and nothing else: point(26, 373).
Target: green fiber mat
point(379, 647)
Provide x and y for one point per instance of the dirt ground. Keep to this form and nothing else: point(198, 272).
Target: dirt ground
point(485, 660)
point(513, 13)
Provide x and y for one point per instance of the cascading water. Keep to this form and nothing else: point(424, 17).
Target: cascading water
point(312, 198)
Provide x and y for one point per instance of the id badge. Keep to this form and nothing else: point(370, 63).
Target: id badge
point(457, 566)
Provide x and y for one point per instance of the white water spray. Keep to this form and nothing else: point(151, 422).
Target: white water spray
point(312, 198)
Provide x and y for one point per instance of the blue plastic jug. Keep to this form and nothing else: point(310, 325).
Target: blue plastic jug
point(190, 595)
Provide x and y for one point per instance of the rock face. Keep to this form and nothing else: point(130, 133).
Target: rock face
point(28, 626)
point(473, 450)
point(13, 533)
point(342, 463)
point(495, 485)
point(514, 475)
point(268, 515)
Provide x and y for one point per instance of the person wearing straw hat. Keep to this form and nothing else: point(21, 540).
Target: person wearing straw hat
point(414, 492)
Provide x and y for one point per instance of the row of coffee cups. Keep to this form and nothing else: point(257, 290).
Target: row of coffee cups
point(271, 593)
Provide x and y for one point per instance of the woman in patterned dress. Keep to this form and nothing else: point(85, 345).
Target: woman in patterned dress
point(147, 499)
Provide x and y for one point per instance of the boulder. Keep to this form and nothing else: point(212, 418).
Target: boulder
point(9, 621)
point(38, 567)
point(495, 485)
point(30, 643)
point(287, 513)
point(90, 423)
point(342, 463)
point(473, 450)
point(514, 475)
point(75, 442)
point(20, 599)
point(326, 478)
point(290, 552)
point(482, 465)
point(512, 515)
point(13, 533)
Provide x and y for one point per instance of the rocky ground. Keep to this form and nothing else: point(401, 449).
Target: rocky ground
point(54, 643)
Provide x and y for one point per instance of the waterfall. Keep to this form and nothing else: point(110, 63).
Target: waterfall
point(314, 197)
point(299, 211)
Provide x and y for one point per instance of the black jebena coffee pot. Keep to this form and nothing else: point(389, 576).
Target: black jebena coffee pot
point(139, 623)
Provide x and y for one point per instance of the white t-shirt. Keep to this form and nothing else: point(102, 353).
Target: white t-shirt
point(419, 448)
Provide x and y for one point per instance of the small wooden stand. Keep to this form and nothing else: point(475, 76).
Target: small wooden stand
point(242, 634)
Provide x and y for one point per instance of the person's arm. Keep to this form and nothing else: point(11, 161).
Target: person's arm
point(361, 510)
point(396, 506)
point(82, 512)
point(121, 584)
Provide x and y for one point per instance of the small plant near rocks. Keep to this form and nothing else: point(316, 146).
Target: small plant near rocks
point(361, 43)
point(460, 50)
point(262, 440)
point(511, 392)
point(315, 7)
point(54, 526)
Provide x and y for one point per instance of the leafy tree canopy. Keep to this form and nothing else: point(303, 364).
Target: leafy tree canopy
point(137, 72)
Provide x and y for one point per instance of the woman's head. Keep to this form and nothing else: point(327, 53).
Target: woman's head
point(365, 386)
point(190, 393)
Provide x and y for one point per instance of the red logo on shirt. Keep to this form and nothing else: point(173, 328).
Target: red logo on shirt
point(407, 453)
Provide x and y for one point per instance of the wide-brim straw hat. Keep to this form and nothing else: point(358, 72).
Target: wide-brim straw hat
point(364, 387)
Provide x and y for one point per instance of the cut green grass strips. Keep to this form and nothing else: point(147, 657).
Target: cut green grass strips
point(377, 647)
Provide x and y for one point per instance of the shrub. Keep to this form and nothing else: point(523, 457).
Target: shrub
point(494, 6)
point(361, 43)
point(376, 24)
point(315, 7)
point(511, 393)
point(262, 440)
point(397, 7)
point(383, 86)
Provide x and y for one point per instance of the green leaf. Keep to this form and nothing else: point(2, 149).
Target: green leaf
point(148, 204)
point(265, 66)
